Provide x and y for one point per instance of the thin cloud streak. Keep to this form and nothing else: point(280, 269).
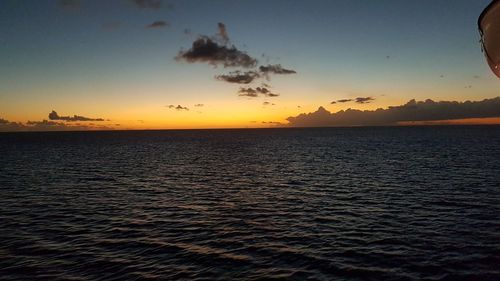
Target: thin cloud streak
point(238, 77)
point(158, 24)
point(54, 116)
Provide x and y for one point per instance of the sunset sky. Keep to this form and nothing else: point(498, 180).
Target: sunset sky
point(126, 64)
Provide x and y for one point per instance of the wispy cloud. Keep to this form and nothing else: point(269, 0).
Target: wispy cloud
point(54, 116)
point(158, 24)
point(275, 69)
point(344, 100)
point(362, 100)
point(412, 111)
point(238, 77)
point(255, 92)
point(199, 105)
point(178, 107)
point(222, 33)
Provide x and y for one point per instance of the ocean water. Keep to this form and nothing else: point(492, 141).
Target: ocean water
point(408, 203)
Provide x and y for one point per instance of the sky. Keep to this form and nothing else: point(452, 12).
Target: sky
point(133, 64)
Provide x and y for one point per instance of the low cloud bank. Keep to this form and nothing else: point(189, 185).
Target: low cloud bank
point(428, 110)
point(46, 125)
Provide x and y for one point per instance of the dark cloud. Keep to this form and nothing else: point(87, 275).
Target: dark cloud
point(54, 116)
point(412, 111)
point(45, 125)
point(248, 92)
point(255, 92)
point(69, 4)
point(275, 69)
point(266, 103)
point(333, 102)
point(222, 33)
point(344, 100)
point(148, 4)
point(199, 105)
point(158, 24)
point(238, 77)
point(207, 50)
point(272, 122)
point(364, 100)
point(178, 107)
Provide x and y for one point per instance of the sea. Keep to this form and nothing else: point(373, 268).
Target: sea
point(367, 203)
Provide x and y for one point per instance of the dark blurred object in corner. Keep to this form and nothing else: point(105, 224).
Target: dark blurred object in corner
point(489, 28)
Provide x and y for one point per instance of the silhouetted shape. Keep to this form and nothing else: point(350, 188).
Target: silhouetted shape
point(489, 28)
point(364, 100)
point(412, 111)
point(254, 92)
point(223, 32)
point(238, 77)
point(275, 69)
point(178, 107)
point(344, 100)
point(54, 116)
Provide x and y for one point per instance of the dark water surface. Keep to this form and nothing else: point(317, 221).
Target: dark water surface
point(418, 203)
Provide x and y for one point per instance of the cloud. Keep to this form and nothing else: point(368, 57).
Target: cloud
point(216, 51)
point(254, 92)
point(362, 100)
point(344, 100)
point(148, 4)
point(45, 125)
point(275, 69)
point(222, 33)
point(238, 77)
point(272, 123)
point(178, 107)
point(158, 24)
point(333, 102)
point(199, 105)
point(69, 4)
point(54, 116)
point(266, 103)
point(207, 50)
point(428, 110)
